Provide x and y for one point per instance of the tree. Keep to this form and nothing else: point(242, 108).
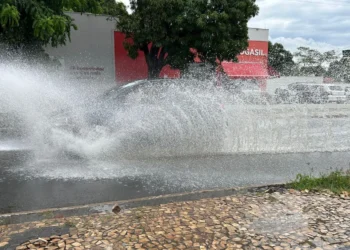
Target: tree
point(313, 62)
point(108, 7)
point(281, 59)
point(28, 25)
point(340, 70)
point(317, 70)
point(165, 31)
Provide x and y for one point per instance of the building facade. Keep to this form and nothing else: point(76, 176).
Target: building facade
point(96, 55)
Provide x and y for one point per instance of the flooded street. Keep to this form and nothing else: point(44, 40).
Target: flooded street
point(50, 183)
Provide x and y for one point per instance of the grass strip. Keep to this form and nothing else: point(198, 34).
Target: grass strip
point(338, 182)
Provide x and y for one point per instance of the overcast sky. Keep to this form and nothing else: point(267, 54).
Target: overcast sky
point(320, 24)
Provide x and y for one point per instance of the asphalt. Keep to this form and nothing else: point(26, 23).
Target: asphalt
point(28, 184)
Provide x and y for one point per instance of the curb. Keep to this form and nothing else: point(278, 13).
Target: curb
point(106, 207)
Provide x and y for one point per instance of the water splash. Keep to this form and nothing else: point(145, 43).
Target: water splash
point(182, 121)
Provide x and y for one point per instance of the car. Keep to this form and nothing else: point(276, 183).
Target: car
point(184, 114)
point(317, 94)
point(305, 92)
point(336, 93)
point(300, 92)
point(282, 95)
point(141, 92)
point(347, 93)
point(297, 92)
point(246, 91)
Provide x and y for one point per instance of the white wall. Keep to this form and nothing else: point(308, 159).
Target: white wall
point(255, 34)
point(88, 60)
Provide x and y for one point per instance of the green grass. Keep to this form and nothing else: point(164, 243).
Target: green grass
point(48, 215)
point(69, 224)
point(337, 182)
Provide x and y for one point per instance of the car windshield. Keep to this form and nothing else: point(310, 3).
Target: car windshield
point(297, 87)
point(336, 88)
point(317, 88)
point(153, 87)
point(124, 88)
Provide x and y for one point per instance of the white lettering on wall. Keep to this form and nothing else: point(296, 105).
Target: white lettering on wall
point(253, 52)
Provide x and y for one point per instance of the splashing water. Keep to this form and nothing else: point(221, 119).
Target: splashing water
point(183, 121)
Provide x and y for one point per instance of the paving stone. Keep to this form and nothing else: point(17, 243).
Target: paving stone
point(2, 244)
point(289, 220)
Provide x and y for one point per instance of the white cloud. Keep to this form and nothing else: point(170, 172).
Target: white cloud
point(320, 24)
point(293, 43)
point(126, 2)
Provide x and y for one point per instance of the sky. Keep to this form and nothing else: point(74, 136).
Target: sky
point(318, 24)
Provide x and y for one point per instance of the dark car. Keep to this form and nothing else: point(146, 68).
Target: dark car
point(161, 109)
point(142, 92)
point(99, 110)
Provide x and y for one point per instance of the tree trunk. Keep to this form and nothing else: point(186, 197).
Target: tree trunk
point(153, 70)
point(155, 62)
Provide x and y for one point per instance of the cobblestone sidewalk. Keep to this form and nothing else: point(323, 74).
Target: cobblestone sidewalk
point(287, 220)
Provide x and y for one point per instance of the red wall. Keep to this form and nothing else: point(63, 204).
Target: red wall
point(127, 69)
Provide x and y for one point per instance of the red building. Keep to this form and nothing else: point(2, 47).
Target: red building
point(96, 55)
point(252, 62)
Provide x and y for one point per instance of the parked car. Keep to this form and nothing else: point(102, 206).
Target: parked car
point(282, 95)
point(298, 92)
point(247, 91)
point(347, 93)
point(317, 94)
point(336, 93)
point(310, 93)
point(301, 93)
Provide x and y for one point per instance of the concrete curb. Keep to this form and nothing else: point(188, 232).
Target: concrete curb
point(37, 215)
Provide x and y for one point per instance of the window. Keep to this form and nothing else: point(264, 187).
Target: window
point(336, 88)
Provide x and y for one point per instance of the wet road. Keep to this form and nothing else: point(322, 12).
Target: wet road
point(59, 183)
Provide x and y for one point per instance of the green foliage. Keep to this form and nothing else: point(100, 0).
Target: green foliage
point(313, 62)
point(108, 7)
point(281, 59)
point(69, 224)
point(28, 25)
point(308, 57)
point(91, 6)
point(340, 70)
point(216, 28)
point(336, 182)
point(9, 16)
point(51, 29)
point(317, 70)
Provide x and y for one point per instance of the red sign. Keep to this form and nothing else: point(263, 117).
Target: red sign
point(256, 52)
